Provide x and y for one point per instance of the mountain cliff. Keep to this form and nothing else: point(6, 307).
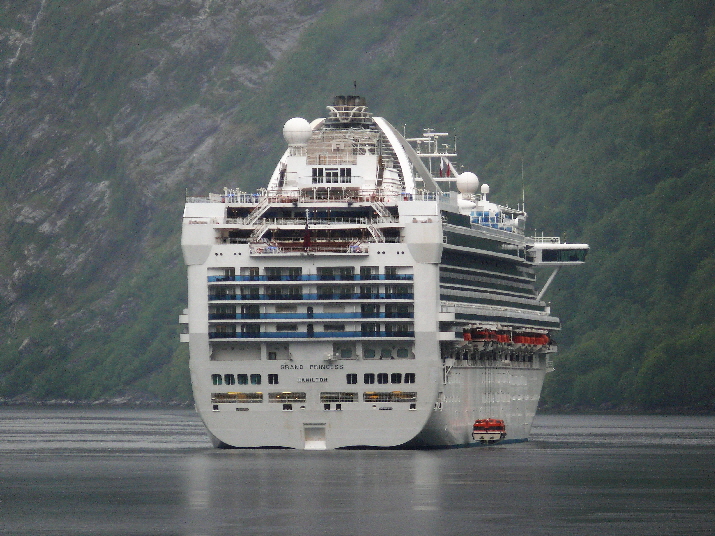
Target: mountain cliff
point(111, 111)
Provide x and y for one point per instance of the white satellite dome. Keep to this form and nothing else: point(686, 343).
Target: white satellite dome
point(467, 183)
point(297, 131)
point(485, 188)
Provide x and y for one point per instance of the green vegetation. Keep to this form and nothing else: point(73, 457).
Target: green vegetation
point(608, 107)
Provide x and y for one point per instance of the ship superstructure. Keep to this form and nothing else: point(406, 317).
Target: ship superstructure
point(356, 302)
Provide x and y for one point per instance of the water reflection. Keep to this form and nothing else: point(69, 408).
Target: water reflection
point(153, 472)
point(365, 490)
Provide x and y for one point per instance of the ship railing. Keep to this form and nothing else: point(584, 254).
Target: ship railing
point(314, 335)
point(268, 249)
point(314, 221)
point(313, 296)
point(230, 197)
point(311, 277)
point(363, 196)
point(547, 239)
point(495, 363)
point(308, 316)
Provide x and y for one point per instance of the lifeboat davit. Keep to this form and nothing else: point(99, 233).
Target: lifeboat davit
point(488, 430)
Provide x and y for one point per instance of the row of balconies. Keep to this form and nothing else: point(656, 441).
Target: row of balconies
point(307, 316)
point(253, 331)
point(310, 277)
point(326, 295)
point(311, 335)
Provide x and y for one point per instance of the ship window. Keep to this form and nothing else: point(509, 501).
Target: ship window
point(229, 379)
point(382, 377)
point(386, 353)
point(216, 379)
point(317, 175)
point(273, 379)
point(347, 273)
point(287, 396)
point(242, 379)
point(338, 397)
point(273, 274)
point(287, 407)
point(369, 377)
point(334, 327)
point(395, 377)
point(368, 353)
point(368, 272)
point(331, 175)
point(351, 378)
point(286, 327)
point(255, 379)
point(409, 377)
point(251, 329)
point(272, 356)
point(369, 329)
point(402, 352)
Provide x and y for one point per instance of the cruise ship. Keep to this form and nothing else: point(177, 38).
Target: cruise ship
point(371, 296)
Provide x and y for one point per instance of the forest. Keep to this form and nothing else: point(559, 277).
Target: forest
point(601, 113)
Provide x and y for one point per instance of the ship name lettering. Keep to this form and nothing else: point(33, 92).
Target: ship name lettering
point(312, 380)
point(326, 367)
point(291, 367)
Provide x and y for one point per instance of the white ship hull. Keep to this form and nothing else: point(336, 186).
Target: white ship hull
point(354, 304)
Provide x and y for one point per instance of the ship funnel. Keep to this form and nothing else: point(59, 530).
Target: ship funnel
point(348, 111)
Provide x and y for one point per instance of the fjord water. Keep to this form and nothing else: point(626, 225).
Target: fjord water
point(145, 472)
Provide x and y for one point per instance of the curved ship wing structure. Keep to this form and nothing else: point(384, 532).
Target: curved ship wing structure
point(357, 302)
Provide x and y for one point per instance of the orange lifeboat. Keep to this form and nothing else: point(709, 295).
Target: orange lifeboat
point(488, 430)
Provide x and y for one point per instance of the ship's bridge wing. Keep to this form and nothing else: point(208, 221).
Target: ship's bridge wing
point(548, 251)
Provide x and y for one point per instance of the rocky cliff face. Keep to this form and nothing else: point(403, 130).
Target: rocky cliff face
point(109, 110)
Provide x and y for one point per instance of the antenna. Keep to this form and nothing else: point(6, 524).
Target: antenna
point(523, 200)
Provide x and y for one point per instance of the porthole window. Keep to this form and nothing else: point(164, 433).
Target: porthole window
point(272, 379)
point(255, 379)
point(369, 377)
point(351, 379)
point(395, 377)
point(242, 379)
point(216, 379)
point(410, 377)
point(229, 379)
point(382, 377)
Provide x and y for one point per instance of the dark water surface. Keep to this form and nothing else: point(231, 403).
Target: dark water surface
point(135, 472)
